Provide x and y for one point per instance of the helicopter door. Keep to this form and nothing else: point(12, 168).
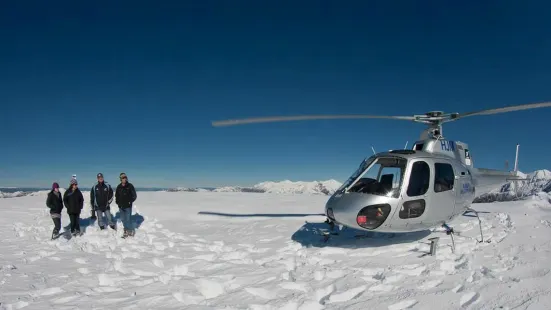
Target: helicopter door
point(464, 192)
point(444, 190)
point(415, 198)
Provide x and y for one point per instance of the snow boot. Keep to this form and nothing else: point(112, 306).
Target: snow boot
point(126, 234)
point(113, 227)
point(102, 227)
point(55, 234)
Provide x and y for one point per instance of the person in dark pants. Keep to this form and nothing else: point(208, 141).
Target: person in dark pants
point(101, 196)
point(74, 202)
point(55, 203)
point(125, 196)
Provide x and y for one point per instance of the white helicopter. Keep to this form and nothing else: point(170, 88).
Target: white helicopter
point(410, 190)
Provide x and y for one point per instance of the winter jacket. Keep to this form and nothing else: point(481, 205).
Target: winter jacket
point(125, 195)
point(54, 202)
point(101, 196)
point(74, 201)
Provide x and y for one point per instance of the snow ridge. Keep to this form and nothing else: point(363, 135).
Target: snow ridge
point(327, 187)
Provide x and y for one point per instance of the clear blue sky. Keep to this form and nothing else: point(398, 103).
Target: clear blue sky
point(89, 87)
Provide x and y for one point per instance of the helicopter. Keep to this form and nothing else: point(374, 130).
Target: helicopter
point(410, 190)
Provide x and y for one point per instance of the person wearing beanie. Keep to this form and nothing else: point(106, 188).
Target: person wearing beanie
point(101, 196)
point(55, 203)
point(125, 197)
point(74, 202)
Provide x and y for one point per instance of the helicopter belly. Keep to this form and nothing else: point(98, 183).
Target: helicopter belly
point(360, 211)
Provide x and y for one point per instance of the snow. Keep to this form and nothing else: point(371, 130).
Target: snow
point(234, 250)
point(327, 187)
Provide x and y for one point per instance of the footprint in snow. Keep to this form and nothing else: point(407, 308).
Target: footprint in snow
point(261, 292)
point(430, 284)
point(406, 304)
point(80, 260)
point(468, 299)
point(347, 295)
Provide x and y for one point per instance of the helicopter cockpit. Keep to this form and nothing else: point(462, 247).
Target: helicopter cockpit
point(380, 176)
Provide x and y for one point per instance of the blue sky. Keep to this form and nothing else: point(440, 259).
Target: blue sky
point(133, 87)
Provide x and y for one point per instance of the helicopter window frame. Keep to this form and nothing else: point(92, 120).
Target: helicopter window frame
point(425, 188)
point(447, 184)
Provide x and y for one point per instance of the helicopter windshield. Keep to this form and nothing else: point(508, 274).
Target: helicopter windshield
point(380, 176)
point(365, 163)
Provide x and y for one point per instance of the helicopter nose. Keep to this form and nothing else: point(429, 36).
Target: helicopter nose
point(362, 211)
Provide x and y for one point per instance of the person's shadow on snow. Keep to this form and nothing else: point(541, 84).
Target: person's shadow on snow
point(84, 223)
point(137, 219)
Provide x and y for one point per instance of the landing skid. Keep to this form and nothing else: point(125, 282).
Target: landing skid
point(326, 234)
point(450, 231)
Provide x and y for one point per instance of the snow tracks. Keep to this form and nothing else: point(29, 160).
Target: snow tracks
point(256, 265)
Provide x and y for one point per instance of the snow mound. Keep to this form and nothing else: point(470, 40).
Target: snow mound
point(186, 189)
point(13, 195)
point(288, 187)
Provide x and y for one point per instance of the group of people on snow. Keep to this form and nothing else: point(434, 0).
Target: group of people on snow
point(101, 197)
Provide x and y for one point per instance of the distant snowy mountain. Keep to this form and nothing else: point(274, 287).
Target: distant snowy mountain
point(284, 187)
point(288, 187)
point(535, 183)
point(13, 195)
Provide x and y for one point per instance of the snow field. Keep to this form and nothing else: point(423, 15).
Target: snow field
point(274, 258)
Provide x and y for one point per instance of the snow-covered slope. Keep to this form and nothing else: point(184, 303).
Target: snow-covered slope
point(289, 187)
point(242, 251)
point(13, 195)
point(284, 187)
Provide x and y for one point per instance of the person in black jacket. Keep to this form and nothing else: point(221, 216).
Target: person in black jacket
point(74, 202)
point(55, 203)
point(101, 196)
point(125, 197)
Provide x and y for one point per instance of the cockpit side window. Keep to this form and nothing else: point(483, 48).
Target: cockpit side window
point(419, 179)
point(444, 177)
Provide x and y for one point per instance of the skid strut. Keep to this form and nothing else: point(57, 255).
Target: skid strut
point(450, 232)
point(479, 223)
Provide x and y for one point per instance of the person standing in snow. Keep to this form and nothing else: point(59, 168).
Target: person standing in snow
point(74, 202)
point(55, 203)
point(125, 196)
point(101, 196)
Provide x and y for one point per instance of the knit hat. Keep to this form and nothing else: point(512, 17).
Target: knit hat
point(74, 181)
point(55, 185)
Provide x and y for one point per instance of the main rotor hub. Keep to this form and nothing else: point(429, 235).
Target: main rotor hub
point(434, 113)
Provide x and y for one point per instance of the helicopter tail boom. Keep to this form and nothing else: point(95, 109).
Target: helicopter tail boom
point(487, 180)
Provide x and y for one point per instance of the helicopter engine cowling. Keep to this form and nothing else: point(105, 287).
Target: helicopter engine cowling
point(362, 211)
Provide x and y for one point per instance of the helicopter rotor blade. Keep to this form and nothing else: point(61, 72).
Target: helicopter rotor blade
point(504, 109)
point(302, 118)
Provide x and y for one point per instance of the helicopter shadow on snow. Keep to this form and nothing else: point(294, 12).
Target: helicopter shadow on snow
point(311, 235)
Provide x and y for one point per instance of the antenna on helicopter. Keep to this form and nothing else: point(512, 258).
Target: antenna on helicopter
point(373, 149)
point(516, 160)
point(406, 146)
